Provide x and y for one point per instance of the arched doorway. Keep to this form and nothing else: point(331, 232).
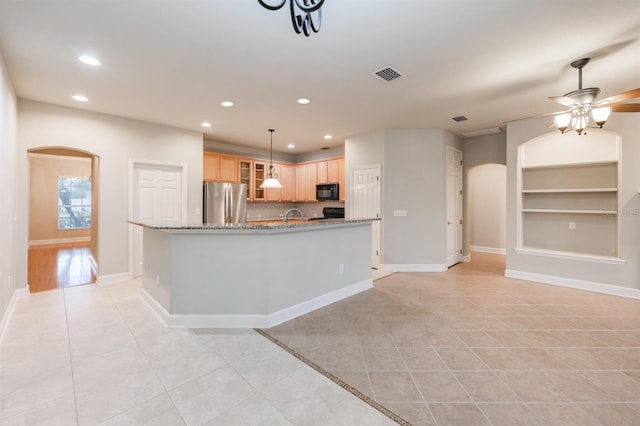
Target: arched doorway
point(63, 218)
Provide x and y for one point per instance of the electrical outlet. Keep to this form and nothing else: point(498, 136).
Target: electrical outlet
point(341, 268)
point(572, 225)
point(158, 280)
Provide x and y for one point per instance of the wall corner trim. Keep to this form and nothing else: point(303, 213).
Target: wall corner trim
point(408, 267)
point(613, 290)
point(114, 278)
point(19, 293)
point(483, 249)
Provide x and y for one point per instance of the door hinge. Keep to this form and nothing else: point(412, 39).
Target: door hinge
point(460, 221)
point(377, 215)
point(378, 178)
point(377, 253)
point(461, 192)
point(461, 162)
point(460, 251)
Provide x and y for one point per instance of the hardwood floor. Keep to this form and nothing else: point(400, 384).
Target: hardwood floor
point(60, 265)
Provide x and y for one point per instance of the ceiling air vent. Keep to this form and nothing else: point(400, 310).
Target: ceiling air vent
point(387, 74)
point(459, 118)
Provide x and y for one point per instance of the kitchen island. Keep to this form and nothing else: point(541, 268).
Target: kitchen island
point(252, 275)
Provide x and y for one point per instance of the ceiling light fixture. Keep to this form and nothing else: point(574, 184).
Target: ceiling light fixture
point(89, 60)
point(306, 15)
point(205, 124)
point(303, 101)
point(583, 111)
point(80, 98)
point(291, 146)
point(227, 104)
point(272, 178)
point(328, 137)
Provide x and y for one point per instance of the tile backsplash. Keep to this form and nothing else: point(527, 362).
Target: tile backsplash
point(260, 210)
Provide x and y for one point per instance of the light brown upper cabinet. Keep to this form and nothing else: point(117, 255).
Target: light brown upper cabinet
point(245, 169)
point(259, 175)
point(298, 180)
point(219, 168)
point(284, 172)
point(322, 172)
point(299, 194)
point(286, 177)
point(333, 171)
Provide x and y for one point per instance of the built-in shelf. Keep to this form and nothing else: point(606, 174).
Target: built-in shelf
point(568, 200)
point(571, 208)
point(606, 212)
point(567, 190)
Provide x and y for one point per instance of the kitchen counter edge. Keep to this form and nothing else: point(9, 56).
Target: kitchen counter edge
point(243, 228)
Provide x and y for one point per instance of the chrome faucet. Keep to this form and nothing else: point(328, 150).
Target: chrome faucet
point(286, 215)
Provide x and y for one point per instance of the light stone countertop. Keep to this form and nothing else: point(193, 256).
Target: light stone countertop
point(273, 226)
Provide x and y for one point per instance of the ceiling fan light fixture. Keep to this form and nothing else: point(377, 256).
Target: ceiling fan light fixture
point(600, 115)
point(562, 121)
point(580, 120)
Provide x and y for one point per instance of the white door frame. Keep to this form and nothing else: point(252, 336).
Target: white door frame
point(457, 228)
point(376, 227)
point(136, 162)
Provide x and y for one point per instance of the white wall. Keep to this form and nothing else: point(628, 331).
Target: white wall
point(487, 208)
point(413, 179)
point(114, 140)
point(582, 273)
point(8, 147)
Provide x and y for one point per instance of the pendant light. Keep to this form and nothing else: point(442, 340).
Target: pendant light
point(272, 178)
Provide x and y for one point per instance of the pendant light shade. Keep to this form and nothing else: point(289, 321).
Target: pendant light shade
point(271, 182)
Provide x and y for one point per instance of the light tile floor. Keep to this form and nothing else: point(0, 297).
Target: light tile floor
point(468, 346)
point(97, 355)
point(462, 347)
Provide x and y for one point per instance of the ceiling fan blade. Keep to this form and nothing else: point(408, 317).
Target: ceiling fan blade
point(563, 100)
point(625, 107)
point(624, 96)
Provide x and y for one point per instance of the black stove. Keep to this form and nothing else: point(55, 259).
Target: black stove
point(330, 213)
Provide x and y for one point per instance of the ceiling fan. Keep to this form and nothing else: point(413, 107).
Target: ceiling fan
point(584, 110)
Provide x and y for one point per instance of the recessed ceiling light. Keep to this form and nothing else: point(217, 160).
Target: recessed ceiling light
point(227, 104)
point(291, 146)
point(89, 60)
point(303, 101)
point(80, 98)
point(327, 137)
point(205, 124)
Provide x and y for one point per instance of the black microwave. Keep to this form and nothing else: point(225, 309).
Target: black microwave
point(327, 191)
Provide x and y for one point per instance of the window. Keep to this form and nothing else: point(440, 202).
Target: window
point(74, 203)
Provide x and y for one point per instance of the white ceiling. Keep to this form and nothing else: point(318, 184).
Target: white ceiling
point(174, 61)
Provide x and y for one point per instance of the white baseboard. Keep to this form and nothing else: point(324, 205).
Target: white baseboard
point(59, 241)
point(466, 258)
point(253, 320)
point(573, 283)
point(407, 267)
point(114, 278)
point(484, 249)
point(19, 293)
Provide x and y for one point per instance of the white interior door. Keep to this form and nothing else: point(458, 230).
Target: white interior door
point(157, 200)
point(366, 203)
point(454, 206)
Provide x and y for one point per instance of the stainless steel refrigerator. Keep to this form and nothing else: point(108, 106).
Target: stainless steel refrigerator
point(224, 202)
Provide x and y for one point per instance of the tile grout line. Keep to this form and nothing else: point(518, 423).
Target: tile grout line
point(73, 378)
point(139, 347)
point(390, 414)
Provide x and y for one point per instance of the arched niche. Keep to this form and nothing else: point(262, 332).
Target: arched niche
point(568, 194)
